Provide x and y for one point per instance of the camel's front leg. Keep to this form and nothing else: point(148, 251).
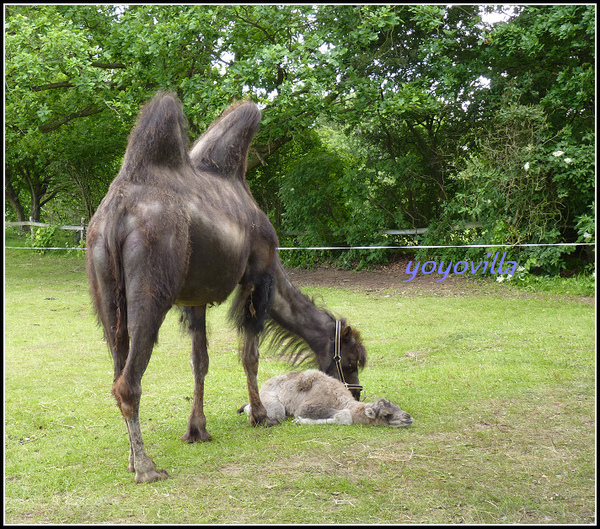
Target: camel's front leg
point(196, 318)
point(258, 413)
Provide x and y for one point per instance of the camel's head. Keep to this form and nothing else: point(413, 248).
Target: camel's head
point(383, 413)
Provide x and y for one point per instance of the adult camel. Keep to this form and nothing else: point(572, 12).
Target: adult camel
point(179, 228)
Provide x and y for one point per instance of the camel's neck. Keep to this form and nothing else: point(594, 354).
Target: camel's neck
point(357, 411)
point(295, 312)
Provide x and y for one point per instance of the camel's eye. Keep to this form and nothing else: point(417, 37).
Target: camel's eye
point(350, 365)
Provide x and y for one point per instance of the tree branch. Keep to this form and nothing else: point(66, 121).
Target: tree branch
point(260, 152)
point(108, 65)
point(52, 86)
point(69, 84)
point(88, 111)
point(270, 38)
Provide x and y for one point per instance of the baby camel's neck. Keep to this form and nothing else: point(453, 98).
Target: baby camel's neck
point(357, 410)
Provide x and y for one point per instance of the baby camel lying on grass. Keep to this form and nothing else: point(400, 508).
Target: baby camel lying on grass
point(316, 398)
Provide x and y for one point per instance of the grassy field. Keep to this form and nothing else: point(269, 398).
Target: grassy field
point(501, 387)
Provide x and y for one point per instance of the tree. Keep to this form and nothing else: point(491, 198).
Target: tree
point(529, 177)
point(401, 98)
point(545, 58)
point(412, 102)
point(53, 81)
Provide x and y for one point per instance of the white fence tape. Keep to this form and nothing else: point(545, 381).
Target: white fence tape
point(416, 247)
point(426, 247)
point(39, 248)
point(412, 231)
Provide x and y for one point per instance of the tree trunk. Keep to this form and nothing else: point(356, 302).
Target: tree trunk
point(13, 198)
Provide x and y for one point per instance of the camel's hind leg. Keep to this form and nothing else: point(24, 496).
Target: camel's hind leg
point(147, 306)
point(127, 389)
point(111, 307)
point(196, 319)
point(109, 303)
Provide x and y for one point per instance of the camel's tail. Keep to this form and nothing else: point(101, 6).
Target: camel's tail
point(159, 138)
point(107, 286)
point(223, 148)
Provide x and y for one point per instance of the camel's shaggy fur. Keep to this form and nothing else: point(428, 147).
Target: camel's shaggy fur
point(313, 397)
point(184, 229)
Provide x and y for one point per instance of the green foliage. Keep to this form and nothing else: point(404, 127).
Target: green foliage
point(545, 53)
point(61, 144)
point(313, 197)
point(586, 225)
point(325, 194)
point(573, 165)
point(405, 100)
point(47, 238)
point(515, 185)
point(43, 238)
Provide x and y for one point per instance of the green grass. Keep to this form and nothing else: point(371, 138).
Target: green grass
point(501, 387)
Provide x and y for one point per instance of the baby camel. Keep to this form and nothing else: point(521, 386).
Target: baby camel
point(313, 397)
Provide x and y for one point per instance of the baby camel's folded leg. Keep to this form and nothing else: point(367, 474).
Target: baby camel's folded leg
point(304, 420)
point(275, 410)
point(316, 415)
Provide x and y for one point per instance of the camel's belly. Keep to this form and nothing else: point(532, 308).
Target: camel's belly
point(217, 262)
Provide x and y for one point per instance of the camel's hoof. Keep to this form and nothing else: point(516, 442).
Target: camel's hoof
point(150, 476)
point(264, 422)
point(196, 436)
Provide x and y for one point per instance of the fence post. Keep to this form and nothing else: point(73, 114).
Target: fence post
point(31, 228)
point(82, 238)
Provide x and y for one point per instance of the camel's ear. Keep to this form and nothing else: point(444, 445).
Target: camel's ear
point(347, 333)
point(371, 411)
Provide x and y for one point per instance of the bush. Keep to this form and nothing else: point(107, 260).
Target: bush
point(43, 238)
point(523, 187)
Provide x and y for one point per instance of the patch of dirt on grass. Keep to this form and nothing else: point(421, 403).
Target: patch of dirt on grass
point(232, 469)
point(389, 277)
point(393, 278)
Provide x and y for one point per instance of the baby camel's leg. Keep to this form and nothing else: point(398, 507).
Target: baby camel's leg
point(304, 420)
point(336, 417)
point(275, 409)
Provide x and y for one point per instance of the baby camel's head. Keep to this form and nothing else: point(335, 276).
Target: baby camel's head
point(383, 413)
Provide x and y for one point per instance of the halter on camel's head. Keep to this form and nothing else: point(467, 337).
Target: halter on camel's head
point(336, 362)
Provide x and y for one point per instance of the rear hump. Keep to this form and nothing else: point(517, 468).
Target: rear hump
point(223, 148)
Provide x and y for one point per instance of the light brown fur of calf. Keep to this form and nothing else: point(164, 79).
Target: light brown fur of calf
point(313, 397)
